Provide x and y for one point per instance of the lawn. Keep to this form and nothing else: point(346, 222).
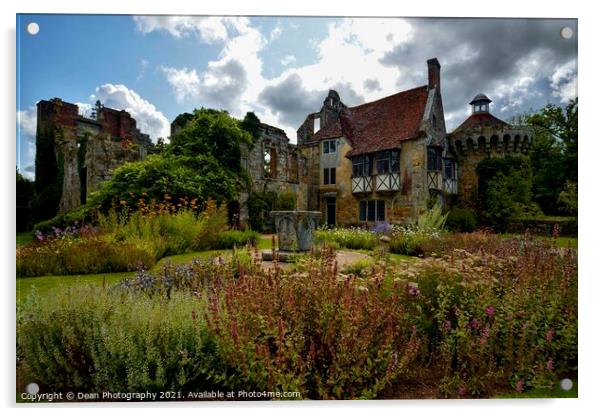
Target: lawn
point(564, 242)
point(24, 238)
point(46, 284)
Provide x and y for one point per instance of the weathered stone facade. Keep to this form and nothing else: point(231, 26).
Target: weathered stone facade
point(85, 149)
point(482, 136)
point(274, 165)
point(392, 136)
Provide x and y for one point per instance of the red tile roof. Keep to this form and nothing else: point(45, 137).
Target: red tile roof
point(381, 124)
point(479, 120)
point(330, 131)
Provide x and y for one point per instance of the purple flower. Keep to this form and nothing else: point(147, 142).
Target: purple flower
point(550, 365)
point(520, 385)
point(382, 228)
point(414, 291)
point(550, 335)
point(448, 325)
point(490, 311)
point(462, 390)
point(475, 324)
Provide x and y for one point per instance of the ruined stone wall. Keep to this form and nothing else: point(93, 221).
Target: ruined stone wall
point(472, 146)
point(87, 150)
point(283, 173)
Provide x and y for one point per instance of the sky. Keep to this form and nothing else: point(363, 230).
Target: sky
point(157, 67)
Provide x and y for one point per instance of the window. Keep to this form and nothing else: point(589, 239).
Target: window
point(330, 176)
point(387, 161)
point(450, 168)
point(329, 146)
point(433, 158)
point(373, 210)
point(294, 170)
point(361, 165)
point(267, 162)
point(244, 163)
point(316, 124)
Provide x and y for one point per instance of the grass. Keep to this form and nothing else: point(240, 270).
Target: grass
point(543, 393)
point(24, 238)
point(46, 284)
point(563, 242)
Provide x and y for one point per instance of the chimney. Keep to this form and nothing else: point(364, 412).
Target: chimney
point(434, 73)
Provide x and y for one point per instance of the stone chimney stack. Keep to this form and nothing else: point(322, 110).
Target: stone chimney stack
point(434, 69)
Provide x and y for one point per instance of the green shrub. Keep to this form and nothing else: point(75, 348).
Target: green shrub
point(360, 268)
point(353, 238)
point(81, 256)
point(236, 238)
point(461, 220)
point(286, 201)
point(105, 340)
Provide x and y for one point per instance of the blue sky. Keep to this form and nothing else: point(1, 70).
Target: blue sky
point(157, 67)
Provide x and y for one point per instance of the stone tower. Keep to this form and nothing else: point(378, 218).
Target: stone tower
point(480, 136)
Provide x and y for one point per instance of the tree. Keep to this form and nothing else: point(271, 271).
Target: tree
point(504, 190)
point(25, 194)
point(554, 153)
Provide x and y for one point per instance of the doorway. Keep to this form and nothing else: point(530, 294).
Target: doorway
point(331, 210)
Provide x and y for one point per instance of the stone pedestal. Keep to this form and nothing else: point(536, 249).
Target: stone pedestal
point(295, 229)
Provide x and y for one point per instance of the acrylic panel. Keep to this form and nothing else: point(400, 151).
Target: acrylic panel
point(287, 208)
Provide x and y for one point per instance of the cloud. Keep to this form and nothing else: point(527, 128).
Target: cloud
point(143, 67)
point(564, 81)
point(233, 80)
point(510, 60)
point(372, 85)
point(207, 29)
point(26, 144)
point(288, 59)
point(521, 64)
point(149, 120)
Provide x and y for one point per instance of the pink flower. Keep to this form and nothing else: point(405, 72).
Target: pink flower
point(414, 291)
point(550, 335)
point(448, 325)
point(490, 311)
point(550, 365)
point(462, 390)
point(475, 324)
point(520, 385)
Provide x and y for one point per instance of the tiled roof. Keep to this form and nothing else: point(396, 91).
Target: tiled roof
point(381, 124)
point(330, 131)
point(478, 120)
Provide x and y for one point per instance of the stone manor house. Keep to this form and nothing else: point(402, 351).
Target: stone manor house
point(380, 161)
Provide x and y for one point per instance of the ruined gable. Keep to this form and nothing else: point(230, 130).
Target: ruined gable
point(75, 154)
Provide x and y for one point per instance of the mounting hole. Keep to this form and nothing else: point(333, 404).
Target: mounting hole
point(566, 384)
point(33, 28)
point(32, 388)
point(566, 32)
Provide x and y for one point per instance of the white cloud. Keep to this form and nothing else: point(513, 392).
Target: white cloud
point(26, 144)
point(206, 29)
point(564, 81)
point(288, 59)
point(143, 66)
point(276, 32)
point(149, 119)
point(185, 83)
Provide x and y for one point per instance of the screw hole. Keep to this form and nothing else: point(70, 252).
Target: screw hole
point(33, 28)
point(566, 32)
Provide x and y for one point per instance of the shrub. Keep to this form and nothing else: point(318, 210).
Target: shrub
point(286, 201)
point(354, 238)
point(461, 220)
point(236, 238)
point(104, 340)
point(81, 256)
point(360, 268)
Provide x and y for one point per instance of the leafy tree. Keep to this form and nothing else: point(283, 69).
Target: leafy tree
point(25, 194)
point(504, 190)
point(554, 156)
point(251, 123)
point(211, 132)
